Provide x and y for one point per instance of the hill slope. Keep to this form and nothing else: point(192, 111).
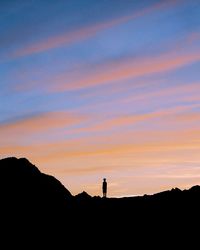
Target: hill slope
point(23, 186)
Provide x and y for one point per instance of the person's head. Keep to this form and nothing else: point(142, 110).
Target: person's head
point(104, 179)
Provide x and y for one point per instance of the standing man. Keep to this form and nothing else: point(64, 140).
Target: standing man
point(104, 188)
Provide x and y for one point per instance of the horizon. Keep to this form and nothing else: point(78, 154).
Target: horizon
point(100, 194)
point(103, 89)
point(107, 196)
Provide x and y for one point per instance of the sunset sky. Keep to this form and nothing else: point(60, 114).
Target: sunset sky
point(103, 89)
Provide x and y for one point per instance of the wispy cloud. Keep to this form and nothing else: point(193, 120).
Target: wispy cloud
point(158, 149)
point(128, 69)
point(88, 31)
point(181, 92)
point(41, 122)
point(85, 76)
point(119, 122)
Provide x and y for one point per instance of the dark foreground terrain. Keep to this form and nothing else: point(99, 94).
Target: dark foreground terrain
point(37, 209)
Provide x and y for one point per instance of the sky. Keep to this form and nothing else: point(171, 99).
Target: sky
point(103, 89)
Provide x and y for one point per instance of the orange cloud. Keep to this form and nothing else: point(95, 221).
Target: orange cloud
point(174, 114)
point(86, 32)
point(40, 123)
point(137, 142)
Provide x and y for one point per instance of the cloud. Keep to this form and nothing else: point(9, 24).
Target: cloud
point(106, 74)
point(40, 123)
point(163, 148)
point(97, 141)
point(119, 122)
point(180, 92)
point(128, 69)
point(86, 32)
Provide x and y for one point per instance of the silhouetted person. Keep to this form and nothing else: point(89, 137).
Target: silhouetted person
point(104, 188)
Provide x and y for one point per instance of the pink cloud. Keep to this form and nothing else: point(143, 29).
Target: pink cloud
point(181, 92)
point(128, 69)
point(40, 123)
point(86, 32)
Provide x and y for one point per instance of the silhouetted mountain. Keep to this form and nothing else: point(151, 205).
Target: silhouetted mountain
point(24, 180)
point(83, 196)
point(31, 199)
point(25, 191)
